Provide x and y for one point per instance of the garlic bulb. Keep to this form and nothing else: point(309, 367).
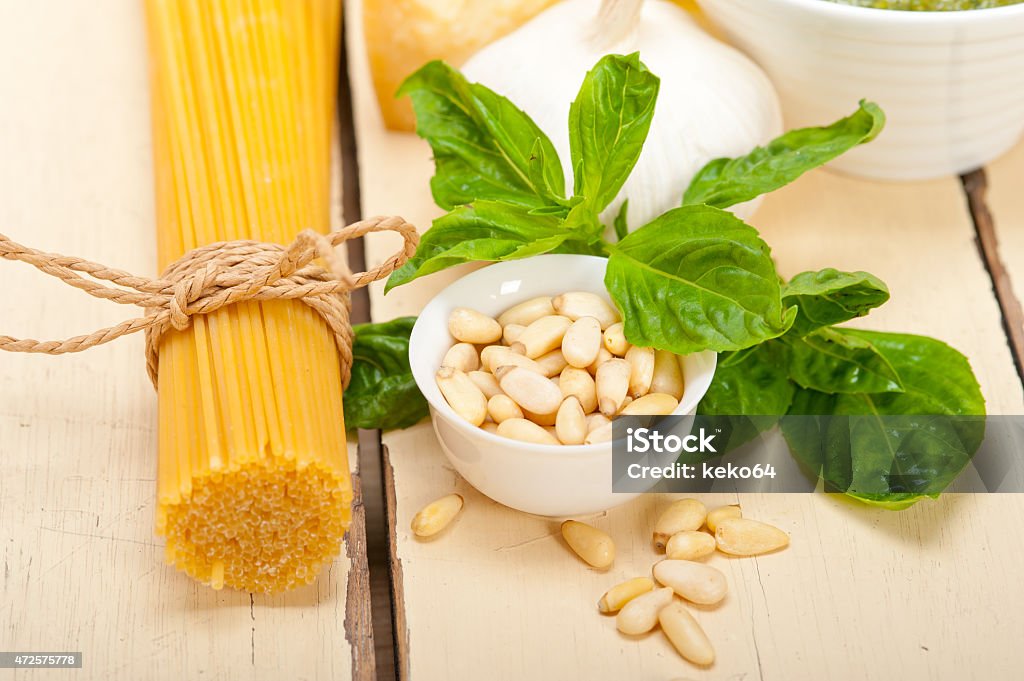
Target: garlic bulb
point(713, 101)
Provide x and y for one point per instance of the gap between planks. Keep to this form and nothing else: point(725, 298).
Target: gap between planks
point(369, 626)
point(975, 184)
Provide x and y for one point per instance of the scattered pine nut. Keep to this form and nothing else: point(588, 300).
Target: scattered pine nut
point(436, 515)
point(686, 634)
point(721, 513)
point(640, 615)
point(696, 582)
point(684, 514)
point(620, 594)
point(744, 537)
point(690, 545)
point(592, 545)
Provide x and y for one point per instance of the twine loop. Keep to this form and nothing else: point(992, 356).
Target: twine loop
point(212, 277)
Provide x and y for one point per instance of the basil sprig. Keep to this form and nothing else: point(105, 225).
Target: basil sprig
point(382, 393)
point(695, 278)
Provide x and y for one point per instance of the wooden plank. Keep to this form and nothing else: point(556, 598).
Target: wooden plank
point(861, 593)
point(1003, 205)
point(82, 569)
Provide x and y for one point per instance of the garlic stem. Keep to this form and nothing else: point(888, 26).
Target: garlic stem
point(615, 21)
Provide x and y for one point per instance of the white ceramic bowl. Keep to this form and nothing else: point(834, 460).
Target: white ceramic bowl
point(547, 480)
point(951, 83)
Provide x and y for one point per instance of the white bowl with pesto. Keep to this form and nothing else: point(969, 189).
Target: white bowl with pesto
point(548, 480)
point(950, 82)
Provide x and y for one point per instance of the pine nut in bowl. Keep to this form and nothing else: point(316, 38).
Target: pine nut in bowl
point(951, 82)
point(519, 462)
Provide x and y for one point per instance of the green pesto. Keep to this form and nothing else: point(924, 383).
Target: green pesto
point(929, 5)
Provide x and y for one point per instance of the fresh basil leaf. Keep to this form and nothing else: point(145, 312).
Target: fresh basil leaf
point(608, 124)
point(833, 361)
point(916, 452)
point(696, 278)
point(483, 230)
point(829, 296)
point(937, 379)
point(725, 182)
point(484, 147)
point(382, 393)
point(752, 388)
point(620, 224)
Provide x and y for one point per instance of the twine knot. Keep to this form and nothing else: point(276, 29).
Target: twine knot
point(211, 277)
point(187, 291)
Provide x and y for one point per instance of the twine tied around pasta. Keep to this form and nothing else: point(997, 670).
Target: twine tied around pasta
point(217, 275)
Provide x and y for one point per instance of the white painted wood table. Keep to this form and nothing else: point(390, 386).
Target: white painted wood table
point(933, 592)
point(929, 593)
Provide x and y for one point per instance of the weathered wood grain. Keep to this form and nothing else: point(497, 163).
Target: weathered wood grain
point(1003, 201)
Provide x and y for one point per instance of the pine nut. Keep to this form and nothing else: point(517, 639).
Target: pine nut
point(595, 421)
point(595, 547)
point(571, 422)
point(743, 537)
point(579, 383)
point(542, 336)
point(545, 420)
point(462, 356)
point(681, 515)
point(527, 312)
point(582, 342)
point(640, 615)
point(668, 375)
point(502, 408)
point(436, 515)
point(552, 363)
point(615, 340)
point(462, 394)
point(602, 356)
point(612, 383)
point(578, 304)
point(686, 634)
point(511, 333)
point(696, 582)
point(651, 404)
point(600, 434)
point(491, 427)
point(530, 390)
point(494, 356)
point(641, 363)
point(526, 431)
point(620, 594)
point(690, 545)
point(487, 383)
point(470, 326)
point(717, 515)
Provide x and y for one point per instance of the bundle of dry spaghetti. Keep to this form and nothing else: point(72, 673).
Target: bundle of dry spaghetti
point(254, 488)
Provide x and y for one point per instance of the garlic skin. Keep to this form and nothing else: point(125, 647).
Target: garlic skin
point(713, 101)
